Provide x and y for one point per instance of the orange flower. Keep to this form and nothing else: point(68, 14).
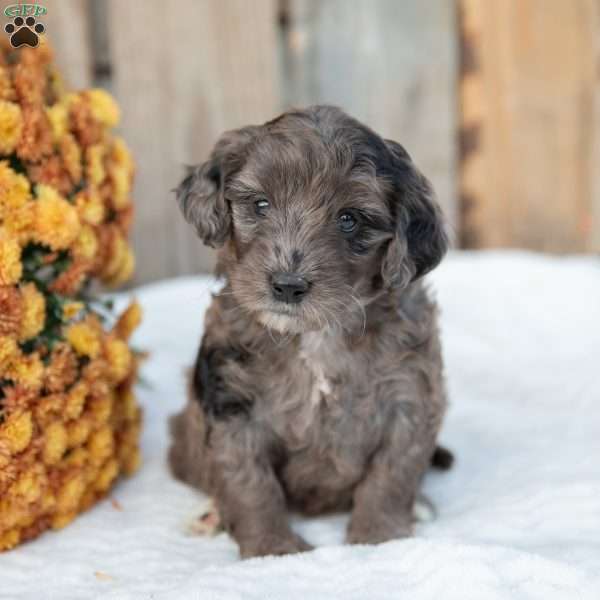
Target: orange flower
point(61, 371)
point(11, 310)
point(128, 321)
point(11, 126)
point(52, 172)
point(85, 127)
point(7, 92)
point(36, 137)
point(71, 156)
point(69, 282)
point(29, 83)
point(17, 398)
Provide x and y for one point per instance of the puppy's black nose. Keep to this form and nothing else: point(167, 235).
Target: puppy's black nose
point(289, 287)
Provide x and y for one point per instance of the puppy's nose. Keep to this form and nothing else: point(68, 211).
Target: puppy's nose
point(289, 287)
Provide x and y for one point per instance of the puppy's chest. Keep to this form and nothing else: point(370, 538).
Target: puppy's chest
point(324, 393)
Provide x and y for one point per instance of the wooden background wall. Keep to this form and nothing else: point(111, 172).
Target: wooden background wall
point(498, 102)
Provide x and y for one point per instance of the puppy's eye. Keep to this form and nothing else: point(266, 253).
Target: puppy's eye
point(261, 206)
point(347, 222)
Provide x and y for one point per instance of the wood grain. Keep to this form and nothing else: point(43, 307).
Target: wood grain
point(183, 74)
point(390, 64)
point(67, 28)
point(529, 107)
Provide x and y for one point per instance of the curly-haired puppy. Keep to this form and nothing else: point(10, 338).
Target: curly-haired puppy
point(318, 385)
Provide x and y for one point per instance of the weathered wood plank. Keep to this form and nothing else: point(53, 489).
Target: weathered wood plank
point(391, 64)
point(184, 74)
point(67, 28)
point(529, 116)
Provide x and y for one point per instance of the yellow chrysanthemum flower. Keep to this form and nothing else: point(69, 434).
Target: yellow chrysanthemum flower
point(16, 431)
point(76, 400)
point(58, 115)
point(90, 206)
point(121, 186)
point(11, 267)
point(121, 154)
point(101, 409)
point(101, 444)
point(18, 222)
point(94, 164)
point(78, 457)
point(8, 352)
point(28, 370)
point(86, 244)
point(118, 357)
point(70, 493)
point(103, 107)
point(85, 338)
point(11, 126)
point(107, 475)
point(15, 189)
point(34, 312)
point(56, 223)
point(120, 264)
point(78, 431)
point(28, 488)
point(55, 443)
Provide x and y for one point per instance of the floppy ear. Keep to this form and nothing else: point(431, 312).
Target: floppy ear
point(201, 195)
point(420, 241)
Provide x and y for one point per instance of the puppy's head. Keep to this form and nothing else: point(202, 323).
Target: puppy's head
point(316, 214)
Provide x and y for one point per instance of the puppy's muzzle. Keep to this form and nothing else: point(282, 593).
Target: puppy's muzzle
point(289, 287)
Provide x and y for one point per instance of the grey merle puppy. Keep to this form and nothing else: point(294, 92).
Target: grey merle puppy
point(319, 382)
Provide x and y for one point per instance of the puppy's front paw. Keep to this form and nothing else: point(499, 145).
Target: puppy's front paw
point(207, 523)
point(274, 545)
point(377, 530)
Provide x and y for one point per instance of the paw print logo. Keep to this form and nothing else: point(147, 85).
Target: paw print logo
point(24, 32)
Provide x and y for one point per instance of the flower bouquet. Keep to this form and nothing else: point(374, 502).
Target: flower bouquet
point(69, 422)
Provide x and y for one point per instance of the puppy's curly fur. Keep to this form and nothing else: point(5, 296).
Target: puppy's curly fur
point(330, 397)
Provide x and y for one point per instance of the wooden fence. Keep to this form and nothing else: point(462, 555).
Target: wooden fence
point(498, 102)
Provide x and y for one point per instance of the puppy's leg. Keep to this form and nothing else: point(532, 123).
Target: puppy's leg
point(248, 494)
point(384, 500)
point(238, 457)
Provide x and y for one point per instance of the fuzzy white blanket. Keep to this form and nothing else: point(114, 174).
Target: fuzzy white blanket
point(519, 515)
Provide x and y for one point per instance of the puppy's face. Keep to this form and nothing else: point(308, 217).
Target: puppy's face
point(317, 215)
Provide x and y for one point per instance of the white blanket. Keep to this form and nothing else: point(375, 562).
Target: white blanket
point(519, 515)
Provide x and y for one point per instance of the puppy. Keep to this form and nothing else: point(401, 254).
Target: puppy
point(318, 385)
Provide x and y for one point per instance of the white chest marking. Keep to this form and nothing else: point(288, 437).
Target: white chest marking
point(313, 351)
